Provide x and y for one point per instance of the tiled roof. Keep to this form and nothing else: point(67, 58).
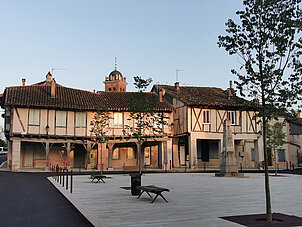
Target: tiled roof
point(69, 98)
point(202, 96)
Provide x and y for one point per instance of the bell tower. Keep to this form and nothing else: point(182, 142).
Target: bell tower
point(115, 82)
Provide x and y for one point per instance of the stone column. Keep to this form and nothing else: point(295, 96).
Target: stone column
point(165, 155)
point(68, 155)
point(228, 166)
point(16, 155)
point(110, 150)
point(88, 149)
point(169, 153)
point(47, 156)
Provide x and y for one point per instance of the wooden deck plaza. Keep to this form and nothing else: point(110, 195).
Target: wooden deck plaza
point(195, 199)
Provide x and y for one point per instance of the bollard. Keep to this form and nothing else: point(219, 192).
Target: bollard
point(71, 181)
point(60, 173)
point(63, 177)
point(66, 179)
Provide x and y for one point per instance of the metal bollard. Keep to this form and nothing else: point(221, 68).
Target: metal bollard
point(60, 175)
point(71, 185)
point(66, 179)
point(63, 177)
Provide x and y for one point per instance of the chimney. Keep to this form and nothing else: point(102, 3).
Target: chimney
point(53, 89)
point(176, 86)
point(161, 95)
point(48, 78)
point(23, 82)
point(229, 90)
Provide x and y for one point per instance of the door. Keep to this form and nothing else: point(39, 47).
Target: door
point(28, 156)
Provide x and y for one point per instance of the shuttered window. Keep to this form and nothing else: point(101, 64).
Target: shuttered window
point(232, 117)
point(34, 117)
point(61, 118)
point(206, 116)
point(118, 120)
point(80, 119)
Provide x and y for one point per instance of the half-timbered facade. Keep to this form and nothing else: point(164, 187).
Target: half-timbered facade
point(47, 124)
point(198, 127)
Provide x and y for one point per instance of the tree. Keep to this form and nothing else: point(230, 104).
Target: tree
point(100, 128)
point(275, 139)
point(3, 143)
point(148, 122)
point(266, 41)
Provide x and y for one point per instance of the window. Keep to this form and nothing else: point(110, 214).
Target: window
point(253, 154)
point(207, 149)
point(206, 117)
point(34, 117)
point(61, 118)
point(281, 155)
point(116, 154)
point(213, 150)
point(80, 119)
point(130, 153)
point(118, 120)
point(232, 117)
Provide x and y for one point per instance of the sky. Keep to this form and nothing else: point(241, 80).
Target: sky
point(81, 38)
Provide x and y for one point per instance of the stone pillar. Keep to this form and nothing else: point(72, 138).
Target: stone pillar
point(228, 165)
point(68, 155)
point(192, 152)
point(165, 155)
point(16, 155)
point(88, 149)
point(47, 156)
point(169, 153)
point(110, 150)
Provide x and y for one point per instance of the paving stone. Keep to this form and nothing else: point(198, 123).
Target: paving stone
point(195, 199)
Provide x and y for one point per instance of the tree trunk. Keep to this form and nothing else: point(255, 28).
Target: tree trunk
point(101, 159)
point(139, 158)
point(267, 188)
point(275, 162)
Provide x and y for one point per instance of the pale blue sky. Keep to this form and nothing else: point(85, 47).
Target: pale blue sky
point(149, 38)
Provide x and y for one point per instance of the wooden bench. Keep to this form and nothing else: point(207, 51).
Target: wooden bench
point(152, 189)
point(132, 169)
point(98, 177)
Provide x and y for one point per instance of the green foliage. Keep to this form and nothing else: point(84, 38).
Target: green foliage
point(267, 44)
point(148, 123)
point(275, 136)
point(100, 125)
point(3, 143)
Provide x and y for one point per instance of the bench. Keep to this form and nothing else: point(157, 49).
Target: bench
point(132, 169)
point(152, 189)
point(98, 177)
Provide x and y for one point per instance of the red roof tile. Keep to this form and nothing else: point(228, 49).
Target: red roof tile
point(202, 96)
point(69, 98)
